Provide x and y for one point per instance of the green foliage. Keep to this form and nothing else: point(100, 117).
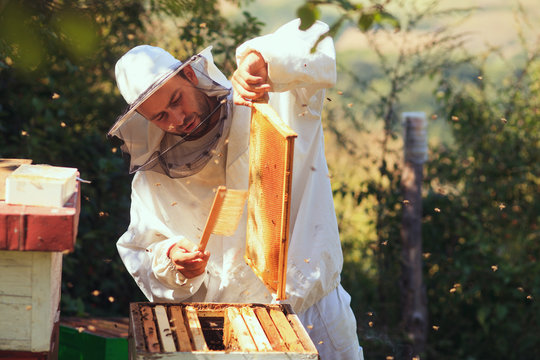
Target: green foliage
point(367, 17)
point(485, 240)
point(308, 14)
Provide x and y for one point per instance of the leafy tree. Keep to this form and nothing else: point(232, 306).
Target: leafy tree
point(484, 240)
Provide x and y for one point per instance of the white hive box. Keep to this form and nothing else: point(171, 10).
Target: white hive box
point(41, 185)
point(29, 300)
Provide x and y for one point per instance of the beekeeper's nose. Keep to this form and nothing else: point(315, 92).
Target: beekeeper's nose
point(177, 117)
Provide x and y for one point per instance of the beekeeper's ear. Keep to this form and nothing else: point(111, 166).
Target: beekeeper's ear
point(190, 75)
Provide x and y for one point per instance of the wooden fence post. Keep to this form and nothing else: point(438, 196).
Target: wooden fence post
point(413, 292)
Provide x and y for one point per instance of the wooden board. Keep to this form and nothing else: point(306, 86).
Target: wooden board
point(199, 343)
point(150, 331)
point(286, 331)
point(164, 329)
point(236, 335)
point(255, 329)
point(179, 327)
point(270, 329)
point(111, 327)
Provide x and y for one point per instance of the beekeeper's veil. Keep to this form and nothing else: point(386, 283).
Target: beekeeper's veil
point(141, 72)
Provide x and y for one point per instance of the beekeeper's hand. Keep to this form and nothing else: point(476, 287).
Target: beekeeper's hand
point(188, 259)
point(250, 80)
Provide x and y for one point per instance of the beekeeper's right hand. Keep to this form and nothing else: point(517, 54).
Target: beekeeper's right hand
point(188, 259)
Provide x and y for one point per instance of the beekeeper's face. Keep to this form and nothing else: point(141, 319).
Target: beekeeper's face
point(178, 107)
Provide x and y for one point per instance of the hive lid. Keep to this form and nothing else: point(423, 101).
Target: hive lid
point(41, 185)
point(271, 145)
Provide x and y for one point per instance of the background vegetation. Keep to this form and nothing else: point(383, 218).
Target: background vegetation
point(482, 180)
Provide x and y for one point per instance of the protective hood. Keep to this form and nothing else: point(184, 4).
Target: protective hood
point(147, 146)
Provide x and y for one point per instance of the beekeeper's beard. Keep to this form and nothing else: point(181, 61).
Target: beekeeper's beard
point(205, 118)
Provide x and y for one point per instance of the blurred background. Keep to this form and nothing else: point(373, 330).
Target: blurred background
point(472, 67)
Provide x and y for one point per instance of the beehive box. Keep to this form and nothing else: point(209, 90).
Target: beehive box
point(29, 300)
point(32, 240)
point(93, 338)
point(41, 185)
point(217, 331)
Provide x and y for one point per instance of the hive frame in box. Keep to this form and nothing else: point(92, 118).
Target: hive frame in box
point(253, 331)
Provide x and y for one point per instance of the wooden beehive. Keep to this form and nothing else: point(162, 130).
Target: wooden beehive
point(93, 338)
point(32, 240)
point(217, 331)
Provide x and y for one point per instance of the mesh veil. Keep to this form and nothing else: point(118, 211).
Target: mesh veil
point(151, 149)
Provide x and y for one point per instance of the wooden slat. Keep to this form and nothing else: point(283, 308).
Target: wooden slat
point(283, 250)
point(136, 338)
point(270, 329)
point(210, 313)
point(164, 329)
point(255, 329)
point(303, 336)
point(236, 333)
point(227, 330)
point(150, 333)
point(46, 280)
point(199, 343)
point(286, 331)
point(179, 327)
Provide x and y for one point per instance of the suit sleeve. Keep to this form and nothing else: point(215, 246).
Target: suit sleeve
point(143, 249)
point(291, 63)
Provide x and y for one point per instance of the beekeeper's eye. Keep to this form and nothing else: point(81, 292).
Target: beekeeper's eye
point(162, 116)
point(176, 99)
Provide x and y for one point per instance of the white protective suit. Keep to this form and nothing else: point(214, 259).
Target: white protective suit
point(164, 210)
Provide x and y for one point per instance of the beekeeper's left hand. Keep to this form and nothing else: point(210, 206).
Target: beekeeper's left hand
point(250, 80)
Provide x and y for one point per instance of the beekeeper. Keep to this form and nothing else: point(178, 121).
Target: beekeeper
point(186, 132)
